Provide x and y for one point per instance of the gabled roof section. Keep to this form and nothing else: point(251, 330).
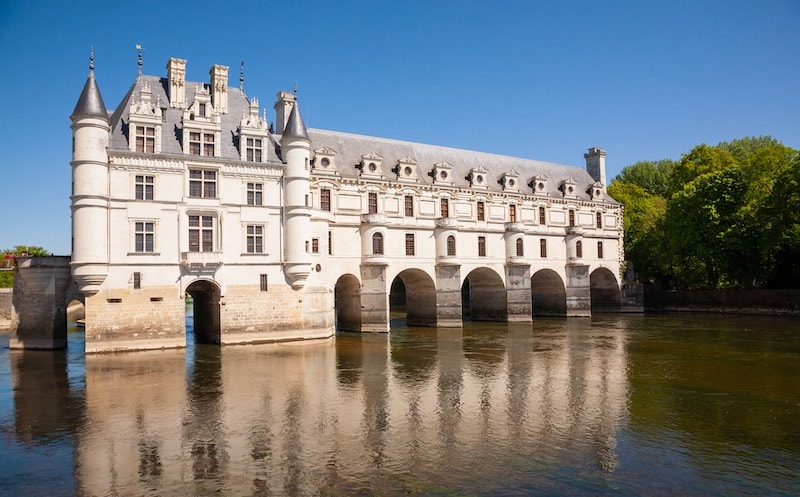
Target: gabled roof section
point(90, 103)
point(294, 125)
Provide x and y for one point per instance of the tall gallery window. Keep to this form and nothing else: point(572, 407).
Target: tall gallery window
point(451, 245)
point(598, 219)
point(482, 246)
point(512, 213)
point(409, 244)
point(578, 249)
point(201, 233)
point(542, 248)
point(145, 139)
point(144, 236)
point(520, 247)
point(377, 244)
point(571, 217)
point(445, 208)
point(599, 250)
point(481, 211)
point(255, 239)
point(542, 218)
point(372, 203)
point(255, 193)
point(144, 187)
point(202, 184)
point(325, 199)
point(409, 206)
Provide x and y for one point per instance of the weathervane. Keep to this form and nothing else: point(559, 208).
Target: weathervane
point(140, 50)
point(241, 77)
point(91, 58)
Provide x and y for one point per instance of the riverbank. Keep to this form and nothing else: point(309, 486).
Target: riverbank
point(757, 302)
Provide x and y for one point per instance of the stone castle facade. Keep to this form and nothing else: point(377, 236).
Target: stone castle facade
point(282, 232)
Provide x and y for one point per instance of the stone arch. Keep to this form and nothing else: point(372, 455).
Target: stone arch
point(415, 289)
point(347, 302)
point(205, 310)
point(605, 291)
point(548, 294)
point(483, 296)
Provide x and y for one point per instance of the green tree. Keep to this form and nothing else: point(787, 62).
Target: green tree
point(701, 160)
point(652, 176)
point(28, 250)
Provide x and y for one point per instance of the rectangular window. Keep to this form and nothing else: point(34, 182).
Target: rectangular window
point(445, 207)
point(372, 203)
point(255, 239)
point(208, 145)
point(202, 184)
point(315, 245)
point(253, 149)
point(145, 139)
point(137, 281)
point(264, 285)
point(409, 244)
point(144, 187)
point(330, 243)
point(482, 246)
point(481, 211)
point(325, 199)
point(599, 250)
point(201, 234)
point(409, 206)
point(543, 248)
point(255, 193)
point(542, 219)
point(144, 233)
point(194, 143)
point(201, 110)
point(512, 213)
point(571, 217)
point(599, 219)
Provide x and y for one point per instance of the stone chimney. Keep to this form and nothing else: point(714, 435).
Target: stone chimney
point(283, 107)
point(176, 78)
point(596, 164)
point(219, 87)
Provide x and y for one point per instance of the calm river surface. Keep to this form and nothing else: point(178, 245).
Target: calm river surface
point(612, 405)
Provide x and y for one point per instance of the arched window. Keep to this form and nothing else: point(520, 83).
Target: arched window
point(578, 249)
point(377, 244)
point(520, 249)
point(451, 245)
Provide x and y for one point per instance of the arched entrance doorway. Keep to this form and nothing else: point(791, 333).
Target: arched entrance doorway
point(483, 296)
point(205, 312)
point(548, 294)
point(347, 301)
point(605, 292)
point(414, 293)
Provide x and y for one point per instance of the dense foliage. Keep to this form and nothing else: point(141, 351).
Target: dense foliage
point(7, 277)
point(723, 216)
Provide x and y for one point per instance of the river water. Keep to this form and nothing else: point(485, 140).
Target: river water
point(612, 405)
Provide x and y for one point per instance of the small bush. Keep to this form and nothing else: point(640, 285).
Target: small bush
point(6, 279)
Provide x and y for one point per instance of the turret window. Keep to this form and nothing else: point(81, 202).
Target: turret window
point(520, 247)
point(145, 139)
point(377, 244)
point(451, 245)
point(144, 187)
point(578, 249)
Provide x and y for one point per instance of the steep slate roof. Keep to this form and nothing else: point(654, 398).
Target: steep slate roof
point(349, 147)
point(90, 103)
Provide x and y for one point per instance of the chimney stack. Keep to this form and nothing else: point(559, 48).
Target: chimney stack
point(283, 107)
point(219, 87)
point(596, 164)
point(176, 78)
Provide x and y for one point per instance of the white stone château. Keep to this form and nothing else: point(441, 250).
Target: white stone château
point(280, 232)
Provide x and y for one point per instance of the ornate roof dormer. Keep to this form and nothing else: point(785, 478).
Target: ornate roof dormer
point(539, 185)
point(407, 170)
point(595, 191)
point(568, 188)
point(370, 166)
point(253, 134)
point(442, 173)
point(144, 126)
point(325, 161)
point(510, 181)
point(202, 110)
point(477, 178)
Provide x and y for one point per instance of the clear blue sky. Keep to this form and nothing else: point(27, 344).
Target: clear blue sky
point(537, 79)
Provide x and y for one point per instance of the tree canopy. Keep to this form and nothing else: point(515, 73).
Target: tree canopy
point(723, 216)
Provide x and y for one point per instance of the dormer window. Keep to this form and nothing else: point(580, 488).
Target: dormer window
point(370, 165)
point(146, 139)
point(568, 188)
point(510, 181)
point(145, 123)
point(201, 110)
point(406, 169)
point(325, 161)
point(596, 191)
point(201, 144)
point(441, 173)
point(539, 185)
point(477, 178)
point(253, 149)
point(253, 135)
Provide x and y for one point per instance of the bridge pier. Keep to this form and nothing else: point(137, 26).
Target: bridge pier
point(448, 296)
point(518, 293)
point(39, 314)
point(579, 293)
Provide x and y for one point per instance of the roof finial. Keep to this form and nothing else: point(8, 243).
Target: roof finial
point(241, 77)
point(91, 59)
point(140, 49)
point(295, 89)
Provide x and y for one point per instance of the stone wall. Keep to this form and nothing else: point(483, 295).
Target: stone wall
point(734, 301)
point(6, 296)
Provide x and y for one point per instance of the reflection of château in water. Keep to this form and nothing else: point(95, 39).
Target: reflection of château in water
point(283, 419)
point(281, 232)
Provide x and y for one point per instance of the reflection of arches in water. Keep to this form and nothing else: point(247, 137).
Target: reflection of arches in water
point(76, 313)
point(347, 298)
point(483, 296)
point(548, 294)
point(605, 293)
point(205, 311)
point(414, 289)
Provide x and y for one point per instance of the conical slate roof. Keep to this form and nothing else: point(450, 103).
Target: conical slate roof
point(90, 103)
point(294, 125)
